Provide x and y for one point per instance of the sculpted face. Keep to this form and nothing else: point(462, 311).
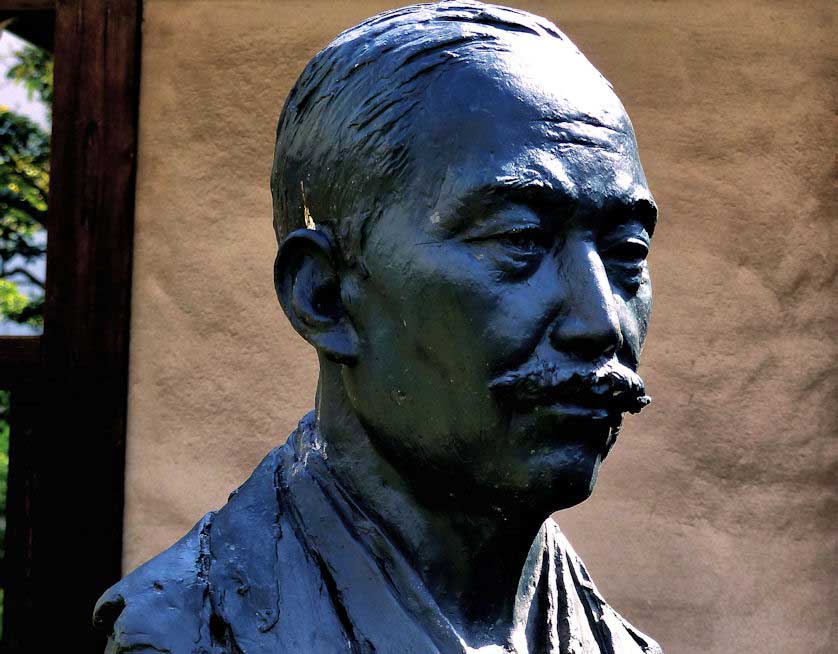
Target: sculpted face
point(507, 295)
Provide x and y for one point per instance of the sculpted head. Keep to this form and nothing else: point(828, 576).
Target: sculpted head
point(464, 224)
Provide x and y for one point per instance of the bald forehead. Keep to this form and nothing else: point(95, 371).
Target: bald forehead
point(530, 78)
point(539, 95)
point(533, 117)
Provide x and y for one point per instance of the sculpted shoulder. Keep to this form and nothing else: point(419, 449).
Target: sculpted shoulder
point(169, 603)
point(162, 605)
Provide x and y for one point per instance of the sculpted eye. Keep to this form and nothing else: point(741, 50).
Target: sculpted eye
point(511, 239)
point(529, 240)
point(630, 251)
point(515, 251)
point(625, 261)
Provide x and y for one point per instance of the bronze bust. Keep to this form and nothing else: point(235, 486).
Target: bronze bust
point(463, 223)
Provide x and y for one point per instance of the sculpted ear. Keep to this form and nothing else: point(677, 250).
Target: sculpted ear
point(308, 287)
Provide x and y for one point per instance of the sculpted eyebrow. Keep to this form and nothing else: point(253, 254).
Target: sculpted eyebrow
point(535, 191)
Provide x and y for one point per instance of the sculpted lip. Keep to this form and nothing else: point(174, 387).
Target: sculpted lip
point(577, 411)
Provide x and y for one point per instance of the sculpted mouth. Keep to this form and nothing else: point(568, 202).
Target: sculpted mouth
point(597, 405)
point(605, 396)
point(609, 390)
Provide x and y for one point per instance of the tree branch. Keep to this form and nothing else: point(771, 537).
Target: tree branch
point(25, 273)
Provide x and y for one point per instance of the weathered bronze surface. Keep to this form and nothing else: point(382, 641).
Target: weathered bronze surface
point(463, 224)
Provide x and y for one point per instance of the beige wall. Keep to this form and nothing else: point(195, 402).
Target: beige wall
point(713, 525)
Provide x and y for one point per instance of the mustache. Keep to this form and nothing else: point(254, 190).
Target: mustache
point(612, 386)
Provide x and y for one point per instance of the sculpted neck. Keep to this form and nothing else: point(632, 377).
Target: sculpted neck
point(470, 561)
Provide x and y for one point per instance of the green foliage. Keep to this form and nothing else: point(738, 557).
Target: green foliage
point(34, 70)
point(24, 194)
point(15, 304)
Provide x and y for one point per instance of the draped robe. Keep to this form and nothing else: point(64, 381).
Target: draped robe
point(292, 564)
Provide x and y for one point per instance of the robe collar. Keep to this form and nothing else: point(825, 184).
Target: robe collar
point(558, 610)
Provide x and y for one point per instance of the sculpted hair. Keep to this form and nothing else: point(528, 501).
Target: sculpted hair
point(344, 135)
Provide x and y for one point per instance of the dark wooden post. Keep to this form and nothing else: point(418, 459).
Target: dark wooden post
point(68, 447)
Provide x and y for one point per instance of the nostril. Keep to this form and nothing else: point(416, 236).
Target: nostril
point(586, 338)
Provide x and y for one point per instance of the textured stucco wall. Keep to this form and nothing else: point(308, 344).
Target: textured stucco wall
point(713, 525)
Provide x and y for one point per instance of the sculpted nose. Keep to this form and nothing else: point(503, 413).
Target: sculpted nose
point(588, 325)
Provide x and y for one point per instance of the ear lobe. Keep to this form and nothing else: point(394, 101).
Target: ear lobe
point(308, 287)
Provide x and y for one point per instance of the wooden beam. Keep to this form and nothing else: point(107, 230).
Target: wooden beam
point(37, 27)
point(20, 357)
point(76, 449)
point(26, 5)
